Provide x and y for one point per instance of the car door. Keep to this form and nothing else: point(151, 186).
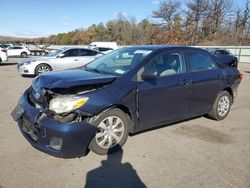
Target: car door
point(165, 99)
point(11, 51)
point(66, 60)
point(85, 56)
point(17, 50)
point(206, 78)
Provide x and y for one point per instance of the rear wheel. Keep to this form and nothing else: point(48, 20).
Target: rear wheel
point(0, 60)
point(221, 106)
point(113, 131)
point(24, 55)
point(42, 68)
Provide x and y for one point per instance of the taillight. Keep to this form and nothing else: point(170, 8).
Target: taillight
point(5, 51)
point(241, 76)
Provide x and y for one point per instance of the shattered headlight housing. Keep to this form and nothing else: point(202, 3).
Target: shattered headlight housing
point(64, 104)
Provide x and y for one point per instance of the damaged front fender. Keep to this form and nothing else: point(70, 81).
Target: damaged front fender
point(75, 137)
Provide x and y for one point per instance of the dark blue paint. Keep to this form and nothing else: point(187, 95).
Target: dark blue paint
point(149, 103)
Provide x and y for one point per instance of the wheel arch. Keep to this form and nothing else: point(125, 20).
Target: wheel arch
point(23, 52)
point(230, 91)
point(126, 110)
point(44, 64)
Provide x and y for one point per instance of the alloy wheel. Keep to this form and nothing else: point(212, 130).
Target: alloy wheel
point(42, 69)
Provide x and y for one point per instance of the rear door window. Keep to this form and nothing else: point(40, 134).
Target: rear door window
point(71, 53)
point(223, 52)
point(200, 61)
point(85, 52)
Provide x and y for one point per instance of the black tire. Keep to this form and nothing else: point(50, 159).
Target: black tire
point(24, 55)
point(215, 113)
point(0, 60)
point(40, 67)
point(96, 121)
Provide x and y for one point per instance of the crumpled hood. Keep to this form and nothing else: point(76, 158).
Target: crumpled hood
point(70, 78)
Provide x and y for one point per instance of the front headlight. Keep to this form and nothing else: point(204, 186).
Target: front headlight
point(28, 62)
point(63, 104)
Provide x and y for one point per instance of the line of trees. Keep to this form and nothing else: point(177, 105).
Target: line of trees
point(205, 22)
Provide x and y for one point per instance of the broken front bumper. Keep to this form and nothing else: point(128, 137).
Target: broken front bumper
point(59, 139)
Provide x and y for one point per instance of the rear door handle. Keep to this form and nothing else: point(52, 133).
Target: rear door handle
point(76, 59)
point(186, 82)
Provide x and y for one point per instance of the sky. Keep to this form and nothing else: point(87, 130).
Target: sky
point(33, 18)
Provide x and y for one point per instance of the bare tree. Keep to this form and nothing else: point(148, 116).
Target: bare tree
point(218, 10)
point(245, 18)
point(167, 11)
point(196, 12)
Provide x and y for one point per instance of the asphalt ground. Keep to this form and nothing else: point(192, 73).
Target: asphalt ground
point(195, 153)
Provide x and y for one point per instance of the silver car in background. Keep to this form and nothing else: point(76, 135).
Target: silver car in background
point(61, 59)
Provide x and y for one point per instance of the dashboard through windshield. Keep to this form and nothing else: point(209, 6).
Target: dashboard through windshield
point(118, 62)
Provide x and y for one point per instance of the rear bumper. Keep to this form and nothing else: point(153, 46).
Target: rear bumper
point(75, 137)
point(4, 58)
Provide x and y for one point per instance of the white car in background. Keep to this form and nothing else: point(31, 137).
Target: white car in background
point(3, 55)
point(104, 47)
point(61, 59)
point(20, 51)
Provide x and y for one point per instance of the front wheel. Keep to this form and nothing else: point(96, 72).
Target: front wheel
point(221, 106)
point(41, 69)
point(113, 131)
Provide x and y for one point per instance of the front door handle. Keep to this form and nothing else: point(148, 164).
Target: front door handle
point(186, 82)
point(76, 59)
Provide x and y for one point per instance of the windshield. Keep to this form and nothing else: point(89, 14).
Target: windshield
point(55, 53)
point(118, 62)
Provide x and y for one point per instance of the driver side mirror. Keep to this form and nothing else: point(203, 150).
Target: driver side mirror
point(61, 55)
point(150, 75)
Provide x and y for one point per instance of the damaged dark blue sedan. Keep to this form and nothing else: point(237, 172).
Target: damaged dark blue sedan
point(132, 89)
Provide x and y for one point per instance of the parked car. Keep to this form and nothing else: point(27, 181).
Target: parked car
point(20, 51)
point(5, 45)
point(225, 56)
point(60, 59)
point(104, 47)
point(218, 51)
point(65, 113)
point(3, 55)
